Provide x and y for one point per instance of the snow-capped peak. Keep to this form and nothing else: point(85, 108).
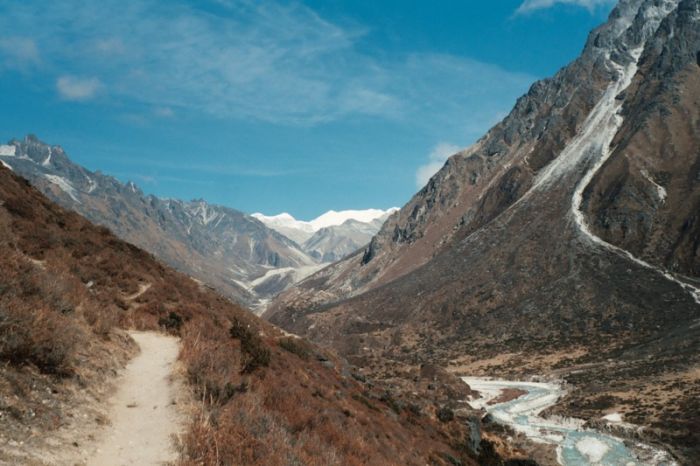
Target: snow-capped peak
point(333, 218)
point(329, 219)
point(300, 230)
point(284, 220)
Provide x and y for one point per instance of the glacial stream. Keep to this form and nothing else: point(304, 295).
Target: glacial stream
point(576, 446)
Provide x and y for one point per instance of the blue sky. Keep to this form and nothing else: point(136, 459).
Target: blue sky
point(276, 106)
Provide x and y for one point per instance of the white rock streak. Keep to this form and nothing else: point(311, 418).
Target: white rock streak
point(660, 190)
point(65, 186)
point(593, 142)
point(47, 161)
point(598, 137)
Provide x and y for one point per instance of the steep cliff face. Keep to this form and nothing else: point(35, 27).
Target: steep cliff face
point(333, 243)
point(646, 198)
point(549, 238)
point(217, 245)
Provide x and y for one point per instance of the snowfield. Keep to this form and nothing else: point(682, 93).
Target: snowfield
point(7, 151)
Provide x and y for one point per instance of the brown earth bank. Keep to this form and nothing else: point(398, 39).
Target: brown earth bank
point(67, 290)
point(507, 395)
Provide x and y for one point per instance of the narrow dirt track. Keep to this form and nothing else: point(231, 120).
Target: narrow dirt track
point(143, 415)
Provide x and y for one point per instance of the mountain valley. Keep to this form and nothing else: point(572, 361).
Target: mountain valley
point(536, 302)
point(565, 241)
point(234, 252)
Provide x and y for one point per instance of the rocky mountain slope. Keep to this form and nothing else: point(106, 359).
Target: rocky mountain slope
point(332, 243)
point(68, 291)
point(218, 245)
point(564, 241)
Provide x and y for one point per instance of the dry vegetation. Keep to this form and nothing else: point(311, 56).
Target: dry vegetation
point(66, 289)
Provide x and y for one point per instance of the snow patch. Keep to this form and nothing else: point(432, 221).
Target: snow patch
point(613, 417)
point(660, 190)
point(8, 150)
point(65, 186)
point(92, 184)
point(205, 214)
point(6, 165)
point(47, 161)
point(592, 448)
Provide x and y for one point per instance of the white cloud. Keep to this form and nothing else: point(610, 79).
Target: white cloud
point(75, 88)
point(436, 159)
point(19, 52)
point(110, 46)
point(164, 112)
point(278, 63)
point(531, 5)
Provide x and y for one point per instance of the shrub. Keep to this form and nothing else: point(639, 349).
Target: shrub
point(252, 348)
point(445, 414)
point(172, 323)
point(43, 338)
point(295, 346)
point(391, 402)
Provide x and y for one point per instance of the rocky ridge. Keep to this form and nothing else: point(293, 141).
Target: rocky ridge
point(222, 247)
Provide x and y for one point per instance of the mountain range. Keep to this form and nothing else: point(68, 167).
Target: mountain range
point(563, 246)
point(234, 252)
point(333, 235)
point(566, 240)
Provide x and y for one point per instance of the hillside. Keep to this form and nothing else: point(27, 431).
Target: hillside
point(217, 245)
point(67, 291)
point(565, 242)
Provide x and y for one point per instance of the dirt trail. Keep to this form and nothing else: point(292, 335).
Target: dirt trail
point(143, 414)
point(142, 289)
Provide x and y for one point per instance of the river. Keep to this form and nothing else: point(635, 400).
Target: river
point(576, 446)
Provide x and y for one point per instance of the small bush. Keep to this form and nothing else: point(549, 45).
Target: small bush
point(364, 400)
point(445, 414)
point(391, 402)
point(43, 338)
point(252, 347)
point(173, 322)
point(295, 346)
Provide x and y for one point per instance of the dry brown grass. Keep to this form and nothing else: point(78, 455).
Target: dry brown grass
point(265, 400)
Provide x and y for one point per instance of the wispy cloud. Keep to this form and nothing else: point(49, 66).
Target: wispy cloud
point(76, 88)
point(164, 112)
point(156, 179)
point(203, 168)
point(278, 63)
point(19, 52)
point(436, 159)
point(529, 6)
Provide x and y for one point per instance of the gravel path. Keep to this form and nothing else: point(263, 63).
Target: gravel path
point(143, 414)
